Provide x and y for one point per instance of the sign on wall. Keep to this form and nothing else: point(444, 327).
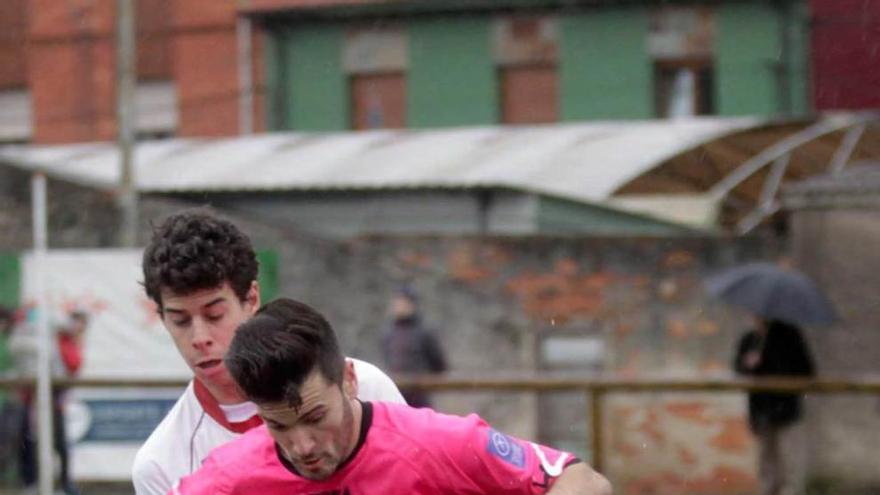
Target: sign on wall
point(124, 339)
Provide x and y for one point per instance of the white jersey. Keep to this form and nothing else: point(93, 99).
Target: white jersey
point(197, 424)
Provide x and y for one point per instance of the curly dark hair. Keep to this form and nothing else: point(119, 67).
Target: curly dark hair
point(194, 250)
point(274, 352)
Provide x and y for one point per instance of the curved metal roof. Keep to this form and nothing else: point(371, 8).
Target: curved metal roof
point(585, 161)
point(701, 171)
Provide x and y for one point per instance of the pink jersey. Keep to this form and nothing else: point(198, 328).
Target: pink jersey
point(400, 451)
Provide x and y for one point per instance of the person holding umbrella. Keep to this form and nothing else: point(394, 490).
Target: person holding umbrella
point(781, 300)
point(774, 348)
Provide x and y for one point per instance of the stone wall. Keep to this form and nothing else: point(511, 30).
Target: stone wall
point(78, 216)
point(493, 300)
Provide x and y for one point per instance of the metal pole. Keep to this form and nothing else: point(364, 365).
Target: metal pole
point(125, 112)
point(845, 150)
point(245, 77)
point(596, 420)
point(44, 352)
point(768, 204)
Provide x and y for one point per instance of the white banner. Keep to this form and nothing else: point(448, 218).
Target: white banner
point(124, 339)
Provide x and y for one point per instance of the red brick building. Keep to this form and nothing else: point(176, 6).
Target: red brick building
point(57, 60)
point(57, 69)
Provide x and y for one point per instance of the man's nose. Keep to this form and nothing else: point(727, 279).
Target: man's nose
point(201, 335)
point(301, 443)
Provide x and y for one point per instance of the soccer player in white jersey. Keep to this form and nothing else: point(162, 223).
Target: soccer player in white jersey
point(202, 273)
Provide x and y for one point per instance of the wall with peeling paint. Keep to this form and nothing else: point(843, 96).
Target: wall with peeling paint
point(493, 300)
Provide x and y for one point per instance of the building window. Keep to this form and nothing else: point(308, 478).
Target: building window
point(375, 59)
point(525, 50)
point(529, 94)
point(378, 101)
point(683, 89)
point(16, 119)
point(156, 109)
point(681, 44)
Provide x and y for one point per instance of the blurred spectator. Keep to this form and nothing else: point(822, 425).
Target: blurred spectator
point(7, 322)
point(409, 347)
point(66, 361)
point(775, 348)
point(8, 410)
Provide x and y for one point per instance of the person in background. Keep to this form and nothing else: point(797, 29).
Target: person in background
point(7, 323)
point(67, 360)
point(409, 347)
point(775, 348)
point(319, 438)
point(201, 271)
point(8, 407)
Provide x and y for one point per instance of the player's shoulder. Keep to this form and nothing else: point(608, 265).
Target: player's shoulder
point(374, 384)
point(157, 457)
point(182, 417)
point(430, 443)
point(424, 425)
point(366, 370)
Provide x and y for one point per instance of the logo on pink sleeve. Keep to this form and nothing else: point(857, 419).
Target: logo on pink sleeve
point(506, 449)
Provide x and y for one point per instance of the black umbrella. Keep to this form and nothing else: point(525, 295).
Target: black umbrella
point(773, 293)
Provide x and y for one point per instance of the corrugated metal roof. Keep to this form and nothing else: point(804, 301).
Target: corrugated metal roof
point(584, 161)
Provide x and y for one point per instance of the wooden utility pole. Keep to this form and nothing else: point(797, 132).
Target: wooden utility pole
point(245, 79)
point(125, 113)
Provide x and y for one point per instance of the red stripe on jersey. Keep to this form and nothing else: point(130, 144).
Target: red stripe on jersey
point(212, 407)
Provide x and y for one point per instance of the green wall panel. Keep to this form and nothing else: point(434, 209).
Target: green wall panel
point(798, 32)
point(10, 279)
point(268, 275)
point(557, 215)
point(748, 45)
point(605, 69)
point(451, 78)
point(313, 82)
point(10, 293)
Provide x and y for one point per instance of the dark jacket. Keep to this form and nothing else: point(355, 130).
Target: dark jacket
point(410, 348)
point(784, 353)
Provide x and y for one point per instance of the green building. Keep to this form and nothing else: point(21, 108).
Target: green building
point(451, 63)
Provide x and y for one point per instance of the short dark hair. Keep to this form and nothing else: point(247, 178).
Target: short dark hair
point(194, 250)
point(274, 352)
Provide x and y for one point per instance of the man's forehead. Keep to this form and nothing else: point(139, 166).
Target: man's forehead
point(313, 393)
point(199, 297)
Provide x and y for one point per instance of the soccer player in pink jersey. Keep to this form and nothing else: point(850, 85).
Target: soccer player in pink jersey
point(318, 438)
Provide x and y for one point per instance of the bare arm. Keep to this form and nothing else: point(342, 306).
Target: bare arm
point(580, 479)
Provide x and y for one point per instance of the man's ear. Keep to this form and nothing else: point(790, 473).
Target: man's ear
point(252, 298)
point(349, 380)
